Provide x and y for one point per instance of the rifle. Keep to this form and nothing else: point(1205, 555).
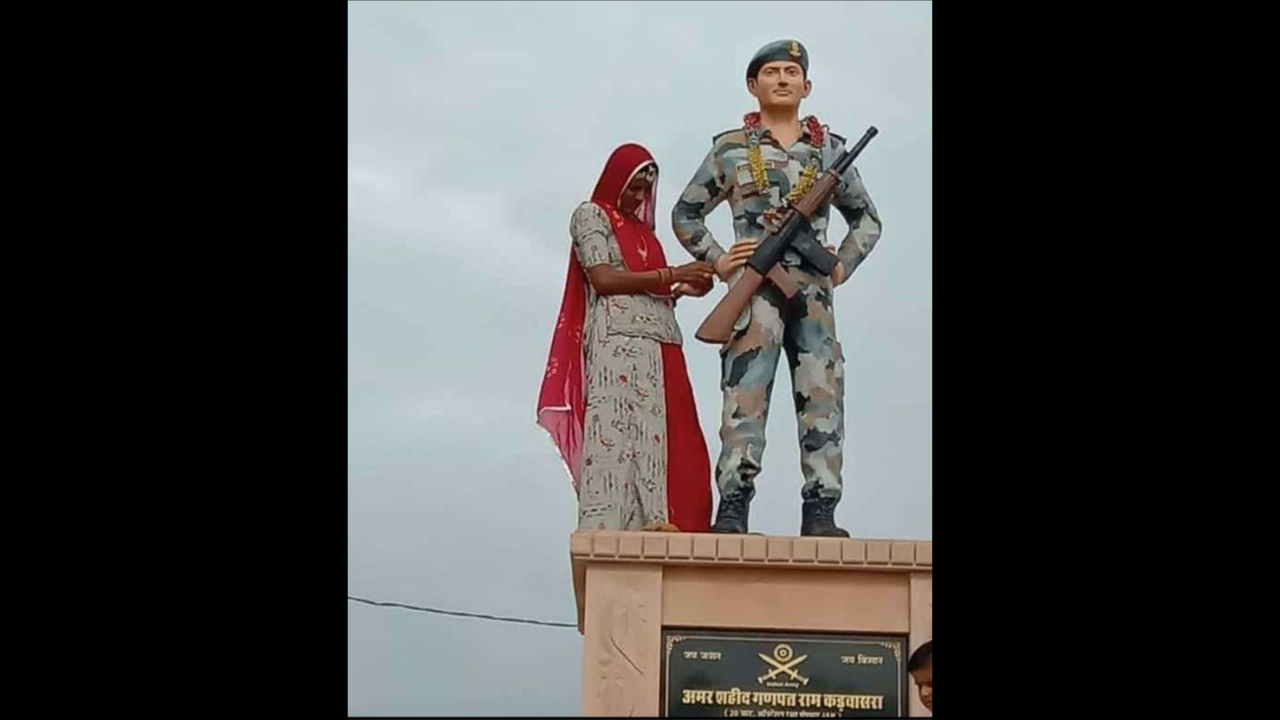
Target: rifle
point(794, 231)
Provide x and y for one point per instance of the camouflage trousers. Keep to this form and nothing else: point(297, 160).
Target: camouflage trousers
point(805, 328)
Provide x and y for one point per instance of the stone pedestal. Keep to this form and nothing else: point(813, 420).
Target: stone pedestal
point(631, 585)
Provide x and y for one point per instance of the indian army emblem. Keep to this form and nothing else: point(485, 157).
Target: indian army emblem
point(783, 662)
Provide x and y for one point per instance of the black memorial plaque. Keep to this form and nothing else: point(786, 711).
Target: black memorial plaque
point(762, 675)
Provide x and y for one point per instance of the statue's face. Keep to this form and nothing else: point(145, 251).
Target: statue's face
point(780, 84)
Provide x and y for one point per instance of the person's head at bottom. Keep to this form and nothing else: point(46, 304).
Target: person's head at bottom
point(921, 668)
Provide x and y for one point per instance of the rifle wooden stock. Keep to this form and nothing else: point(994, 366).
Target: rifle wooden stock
point(718, 327)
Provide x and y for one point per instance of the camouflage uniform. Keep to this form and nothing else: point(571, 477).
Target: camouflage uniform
point(804, 326)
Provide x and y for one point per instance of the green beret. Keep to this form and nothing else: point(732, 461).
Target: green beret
point(777, 50)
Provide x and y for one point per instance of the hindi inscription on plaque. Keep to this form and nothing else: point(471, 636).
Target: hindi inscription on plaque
point(764, 674)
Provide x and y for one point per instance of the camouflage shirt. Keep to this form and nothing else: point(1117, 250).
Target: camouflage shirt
point(725, 174)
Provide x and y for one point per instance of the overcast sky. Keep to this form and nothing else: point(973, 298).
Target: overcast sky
point(473, 131)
